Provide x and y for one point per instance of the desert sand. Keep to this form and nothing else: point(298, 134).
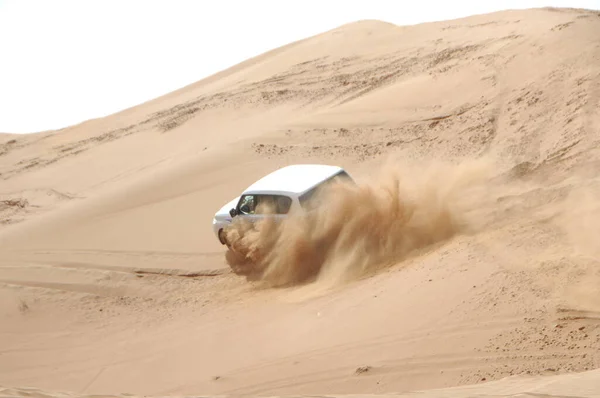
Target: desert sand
point(467, 263)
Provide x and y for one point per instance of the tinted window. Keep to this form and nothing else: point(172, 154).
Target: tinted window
point(264, 204)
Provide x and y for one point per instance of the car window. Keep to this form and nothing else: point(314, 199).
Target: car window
point(263, 204)
point(247, 204)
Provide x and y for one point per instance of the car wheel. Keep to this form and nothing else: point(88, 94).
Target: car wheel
point(222, 238)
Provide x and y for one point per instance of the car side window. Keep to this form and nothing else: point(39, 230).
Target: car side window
point(283, 204)
point(264, 204)
point(247, 204)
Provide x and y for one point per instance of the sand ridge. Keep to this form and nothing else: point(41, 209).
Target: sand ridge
point(111, 281)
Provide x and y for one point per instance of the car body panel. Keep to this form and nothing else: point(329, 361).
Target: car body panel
point(222, 217)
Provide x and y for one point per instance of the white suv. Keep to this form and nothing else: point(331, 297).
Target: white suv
point(285, 189)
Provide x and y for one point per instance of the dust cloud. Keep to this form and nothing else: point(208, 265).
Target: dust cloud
point(351, 230)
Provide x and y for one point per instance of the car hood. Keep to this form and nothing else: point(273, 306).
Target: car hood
point(223, 212)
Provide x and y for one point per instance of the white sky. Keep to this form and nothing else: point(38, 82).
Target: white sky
point(65, 61)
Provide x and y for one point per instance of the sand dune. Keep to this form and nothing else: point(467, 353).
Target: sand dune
point(112, 283)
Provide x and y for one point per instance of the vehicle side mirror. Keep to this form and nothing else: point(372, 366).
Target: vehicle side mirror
point(232, 212)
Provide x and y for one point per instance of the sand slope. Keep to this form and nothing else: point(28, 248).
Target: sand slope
point(582, 384)
point(111, 281)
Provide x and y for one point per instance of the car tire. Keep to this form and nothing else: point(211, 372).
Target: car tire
point(222, 238)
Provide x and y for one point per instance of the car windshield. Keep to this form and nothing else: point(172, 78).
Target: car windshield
point(264, 204)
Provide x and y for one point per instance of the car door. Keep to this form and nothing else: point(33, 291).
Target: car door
point(253, 207)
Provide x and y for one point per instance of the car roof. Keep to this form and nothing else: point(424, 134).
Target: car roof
point(293, 179)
